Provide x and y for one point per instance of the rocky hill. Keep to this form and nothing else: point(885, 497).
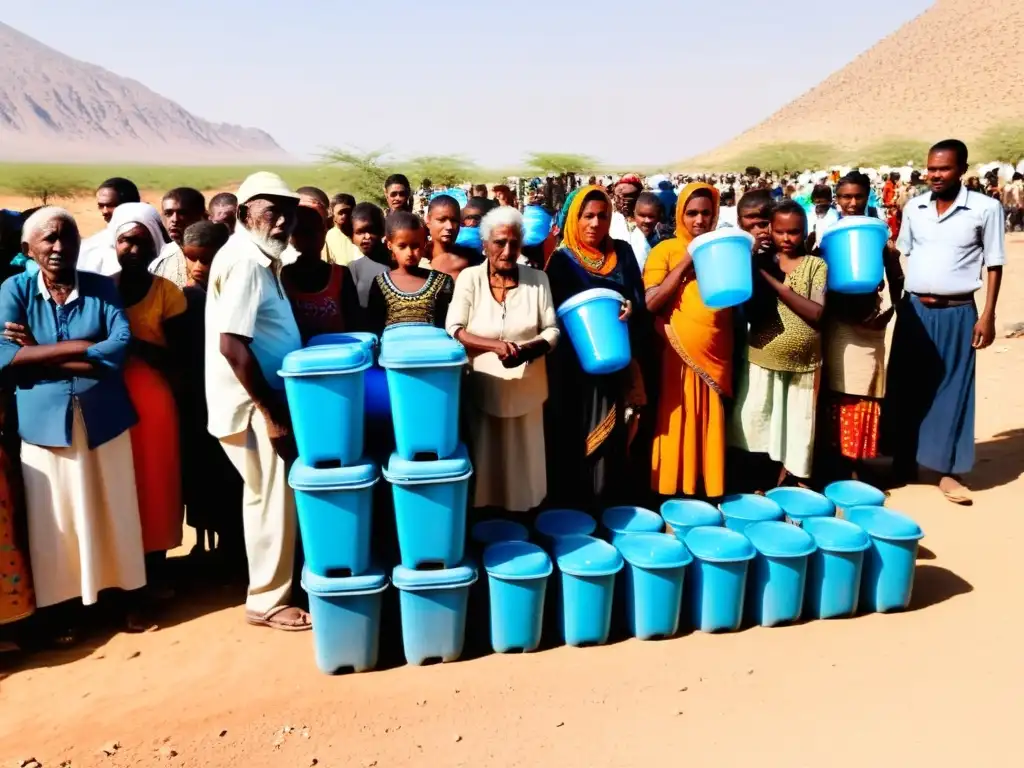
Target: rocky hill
point(55, 108)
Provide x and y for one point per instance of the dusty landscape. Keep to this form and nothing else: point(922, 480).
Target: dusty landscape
point(938, 685)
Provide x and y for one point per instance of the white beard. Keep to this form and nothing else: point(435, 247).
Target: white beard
point(272, 248)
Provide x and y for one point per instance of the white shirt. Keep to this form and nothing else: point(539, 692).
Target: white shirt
point(728, 216)
point(946, 254)
point(97, 254)
point(245, 298)
point(636, 239)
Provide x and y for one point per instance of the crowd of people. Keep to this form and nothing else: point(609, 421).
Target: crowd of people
point(144, 360)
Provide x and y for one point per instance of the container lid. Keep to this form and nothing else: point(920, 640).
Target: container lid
point(352, 337)
point(834, 535)
point(883, 523)
point(362, 474)
point(690, 513)
point(494, 531)
point(516, 560)
point(854, 493)
point(574, 302)
point(728, 233)
point(855, 222)
point(653, 551)
point(799, 503)
point(586, 556)
point(408, 578)
point(719, 545)
point(374, 580)
point(776, 539)
point(422, 353)
point(455, 467)
point(405, 331)
point(749, 506)
point(564, 522)
point(632, 520)
point(327, 358)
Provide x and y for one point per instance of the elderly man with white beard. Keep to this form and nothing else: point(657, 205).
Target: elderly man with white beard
point(249, 330)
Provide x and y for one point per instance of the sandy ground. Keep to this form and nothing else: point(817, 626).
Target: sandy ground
point(937, 685)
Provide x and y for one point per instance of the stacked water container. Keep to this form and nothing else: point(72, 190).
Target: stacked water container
point(333, 485)
point(429, 474)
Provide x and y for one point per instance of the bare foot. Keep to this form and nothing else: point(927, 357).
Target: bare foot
point(955, 491)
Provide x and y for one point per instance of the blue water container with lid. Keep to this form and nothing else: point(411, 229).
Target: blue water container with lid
point(744, 509)
point(625, 521)
point(834, 569)
point(335, 511)
point(424, 379)
point(587, 567)
point(601, 340)
point(723, 262)
point(655, 568)
point(433, 606)
point(888, 578)
point(536, 225)
point(412, 332)
point(719, 577)
point(346, 619)
point(683, 515)
point(552, 524)
point(469, 237)
point(377, 400)
point(325, 390)
point(488, 532)
point(517, 577)
point(776, 590)
point(847, 494)
point(430, 499)
point(853, 248)
point(799, 504)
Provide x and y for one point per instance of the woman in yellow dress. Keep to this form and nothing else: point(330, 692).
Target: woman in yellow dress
point(696, 359)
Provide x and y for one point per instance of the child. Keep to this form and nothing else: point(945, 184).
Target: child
point(855, 351)
point(374, 259)
point(408, 293)
point(777, 389)
point(824, 214)
point(443, 225)
point(339, 248)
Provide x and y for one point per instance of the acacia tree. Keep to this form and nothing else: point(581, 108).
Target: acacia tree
point(365, 171)
point(442, 170)
point(559, 162)
point(46, 189)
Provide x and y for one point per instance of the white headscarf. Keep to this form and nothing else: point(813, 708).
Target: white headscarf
point(127, 215)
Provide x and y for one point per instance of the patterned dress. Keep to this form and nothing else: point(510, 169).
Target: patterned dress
point(388, 305)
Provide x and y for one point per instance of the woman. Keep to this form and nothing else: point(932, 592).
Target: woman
point(503, 315)
point(155, 308)
point(696, 362)
point(590, 418)
point(65, 340)
point(16, 598)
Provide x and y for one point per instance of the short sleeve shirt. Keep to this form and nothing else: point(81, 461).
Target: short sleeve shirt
point(780, 340)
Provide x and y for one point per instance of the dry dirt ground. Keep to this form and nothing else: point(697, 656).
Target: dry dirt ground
point(940, 684)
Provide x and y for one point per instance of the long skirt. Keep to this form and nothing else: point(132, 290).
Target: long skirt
point(17, 600)
point(83, 518)
point(155, 446)
point(508, 460)
point(930, 388)
point(689, 444)
point(775, 414)
point(852, 425)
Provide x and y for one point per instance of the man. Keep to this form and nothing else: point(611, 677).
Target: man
point(339, 248)
point(625, 194)
point(480, 190)
point(249, 330)
point(398, 193)
point(224, 210)
point(951, 239)
point(1013, 203)
point(180, 208)
point(94, 253)
point(314, 197)
point(825, 215)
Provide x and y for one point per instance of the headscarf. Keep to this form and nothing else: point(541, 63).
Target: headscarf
point(631, 178)
point(590, 259)
point(127, 215)
point(682, 236)
point(562, 214)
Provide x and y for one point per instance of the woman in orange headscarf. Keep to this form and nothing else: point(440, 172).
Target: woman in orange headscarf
point(696, 360)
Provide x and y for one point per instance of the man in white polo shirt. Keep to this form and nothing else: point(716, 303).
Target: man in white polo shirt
point(249, 330)
point(953, 240)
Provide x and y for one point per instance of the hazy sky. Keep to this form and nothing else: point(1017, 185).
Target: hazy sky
point(632, 82)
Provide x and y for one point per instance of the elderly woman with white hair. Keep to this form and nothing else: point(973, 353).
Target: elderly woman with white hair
point(503, 313)
point(64, 346)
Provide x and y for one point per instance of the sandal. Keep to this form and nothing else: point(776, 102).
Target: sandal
point(960, 494)
point(285, 618)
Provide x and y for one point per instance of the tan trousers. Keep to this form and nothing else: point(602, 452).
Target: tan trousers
point(268, 516)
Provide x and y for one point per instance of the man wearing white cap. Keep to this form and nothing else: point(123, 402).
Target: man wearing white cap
point(249, 330)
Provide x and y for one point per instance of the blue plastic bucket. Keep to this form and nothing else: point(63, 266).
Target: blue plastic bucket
point(655, 568)
point(412, 332)
point(430, 499)
point(489, 532)
point(853, 248)
point(552, 524)
point(469, 237)
point(536, 225)
point(517, 577)
point(719, 577)
point(335, 511)
point(346, 619)
point(424, 380)
point(601, 340)
point(888, 578)
point(368, 340)
point(377, 401)
point(623, 521)
point(326, 398)
point(588, 567)
point(433, 605)
point(776, 590)
point(744, 509)
point(799, 504)
point(683, 515)
point(847, 494)
point(724, 265)
point(834, 570)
